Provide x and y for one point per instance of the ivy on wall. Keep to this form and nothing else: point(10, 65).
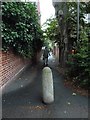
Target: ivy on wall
point(20, 27)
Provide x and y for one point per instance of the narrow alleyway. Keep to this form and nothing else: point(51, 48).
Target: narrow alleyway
point(22, 98)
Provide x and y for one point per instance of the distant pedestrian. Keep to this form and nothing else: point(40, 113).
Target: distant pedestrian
point(45, 56)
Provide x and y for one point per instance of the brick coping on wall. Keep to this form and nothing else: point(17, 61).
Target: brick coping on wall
point(15, 76)
point(11, 66)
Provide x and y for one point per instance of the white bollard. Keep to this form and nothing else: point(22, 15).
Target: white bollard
point(47, 85)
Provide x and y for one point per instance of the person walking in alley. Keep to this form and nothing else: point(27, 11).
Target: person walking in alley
point(45, 56)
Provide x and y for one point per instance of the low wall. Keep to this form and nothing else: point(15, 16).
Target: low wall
point(10, 65)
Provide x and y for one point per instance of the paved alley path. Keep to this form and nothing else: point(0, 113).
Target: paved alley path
point(22, 98)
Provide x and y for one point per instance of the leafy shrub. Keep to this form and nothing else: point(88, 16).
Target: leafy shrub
point(20, 28)
point(79, 68)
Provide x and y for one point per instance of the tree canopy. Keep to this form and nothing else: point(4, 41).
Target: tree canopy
point(78, 62)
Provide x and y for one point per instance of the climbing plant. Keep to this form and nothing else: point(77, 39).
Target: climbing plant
point(20, 27)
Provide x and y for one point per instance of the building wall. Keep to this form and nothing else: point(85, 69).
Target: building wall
point(38, 9)
point(10, 65)
point(56, 51)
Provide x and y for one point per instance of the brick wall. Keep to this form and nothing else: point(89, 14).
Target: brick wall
point(10, 65)
point(56, 51)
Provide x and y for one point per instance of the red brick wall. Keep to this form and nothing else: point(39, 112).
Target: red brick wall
point(10, 64)
point(56, 51)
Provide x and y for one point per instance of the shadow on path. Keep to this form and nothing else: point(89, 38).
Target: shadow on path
point(26, 100)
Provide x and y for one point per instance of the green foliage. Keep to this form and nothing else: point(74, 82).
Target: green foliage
point(72, 20)
point(78, 63)
point(20, 28)
point(51, 33)
point(79, 68)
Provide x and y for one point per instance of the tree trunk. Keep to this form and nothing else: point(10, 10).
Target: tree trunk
point(65, 38)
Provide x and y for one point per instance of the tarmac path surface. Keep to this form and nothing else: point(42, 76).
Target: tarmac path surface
point(22, 98)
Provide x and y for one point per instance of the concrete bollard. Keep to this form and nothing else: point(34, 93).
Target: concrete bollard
point(47, 85)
